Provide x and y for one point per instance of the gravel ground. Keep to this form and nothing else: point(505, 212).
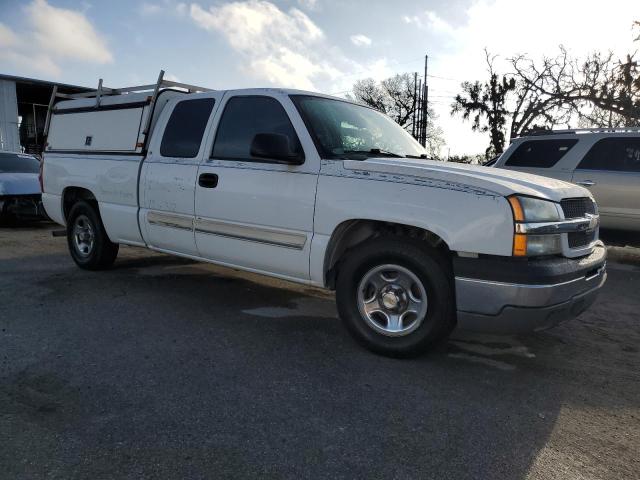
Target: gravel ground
point(165, 368)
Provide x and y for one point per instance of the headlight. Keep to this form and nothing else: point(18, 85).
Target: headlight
point(528, 209)
point(534, 210)
point(543, 244)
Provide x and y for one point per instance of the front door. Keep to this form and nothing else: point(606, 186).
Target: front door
point(611, 171)
point(168, 176)
point(255, 212)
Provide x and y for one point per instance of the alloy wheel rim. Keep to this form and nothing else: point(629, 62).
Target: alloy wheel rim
point(392, 300)
point(83, 236)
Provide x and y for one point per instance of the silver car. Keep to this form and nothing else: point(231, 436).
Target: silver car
point(20, 195)
point(607, 162)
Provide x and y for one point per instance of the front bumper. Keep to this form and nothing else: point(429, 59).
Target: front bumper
point(22, 206)
point(519, 297)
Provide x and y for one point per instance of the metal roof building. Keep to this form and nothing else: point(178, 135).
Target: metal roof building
point(23, 111)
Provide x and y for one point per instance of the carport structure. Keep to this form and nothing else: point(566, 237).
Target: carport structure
point(23, 111)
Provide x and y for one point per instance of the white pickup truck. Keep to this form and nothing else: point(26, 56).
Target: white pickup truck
point(317, 190)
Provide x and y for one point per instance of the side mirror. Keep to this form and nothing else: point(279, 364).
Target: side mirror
point(276, 147)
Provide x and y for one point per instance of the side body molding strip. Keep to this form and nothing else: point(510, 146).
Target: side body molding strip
point(270, 236)
point(281, 238)
point(171, 220)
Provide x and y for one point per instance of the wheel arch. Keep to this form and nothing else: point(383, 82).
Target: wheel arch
point(351, 233)
point(71, 195)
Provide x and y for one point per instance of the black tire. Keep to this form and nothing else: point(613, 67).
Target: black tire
point(102, 252)
point(429, 265)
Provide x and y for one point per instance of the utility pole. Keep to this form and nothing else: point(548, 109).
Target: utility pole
point(425, 99)
point(415, 91)
point(418, 136)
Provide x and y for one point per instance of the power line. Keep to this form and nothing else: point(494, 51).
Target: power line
point(339, 93)
point(392, 64)
point(445, 78)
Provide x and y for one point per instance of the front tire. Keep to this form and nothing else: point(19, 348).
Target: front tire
point(87, 239)
point(395, 296)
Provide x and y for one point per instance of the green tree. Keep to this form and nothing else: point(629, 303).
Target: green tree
point(485, 103)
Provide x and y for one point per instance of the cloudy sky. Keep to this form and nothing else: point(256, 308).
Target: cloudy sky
point(321, 45)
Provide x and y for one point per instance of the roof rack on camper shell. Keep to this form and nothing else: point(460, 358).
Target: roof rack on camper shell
point(102, 91)
point(536, 133)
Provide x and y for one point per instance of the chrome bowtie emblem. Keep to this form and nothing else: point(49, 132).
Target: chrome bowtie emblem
point(593, 220)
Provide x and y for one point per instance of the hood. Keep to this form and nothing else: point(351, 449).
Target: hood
point(19, 184)
point(492, 180)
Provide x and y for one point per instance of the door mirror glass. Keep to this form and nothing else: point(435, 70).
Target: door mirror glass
point(274, 146)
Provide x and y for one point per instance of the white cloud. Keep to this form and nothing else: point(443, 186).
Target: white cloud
point(360, 40)
point(7, 37)
point(413, 19)
point(429, 20)
point(14, 53)
point(66, 33)
point(283, 48)
point(172, 78)
point(309, 4)
point(148, 9)
point(55, 35)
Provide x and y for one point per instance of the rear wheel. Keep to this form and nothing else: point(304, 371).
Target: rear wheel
point(87, 239)
point(395, 296)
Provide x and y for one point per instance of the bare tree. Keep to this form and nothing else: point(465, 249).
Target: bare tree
point(597, 92)
point(547, 91)
point(395, 96)
point(369, 92)
point(435, 136)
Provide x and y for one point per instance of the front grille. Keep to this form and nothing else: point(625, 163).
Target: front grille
point(581, 239)
point(577, 207)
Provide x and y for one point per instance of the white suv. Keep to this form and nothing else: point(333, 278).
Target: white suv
point(607, 162)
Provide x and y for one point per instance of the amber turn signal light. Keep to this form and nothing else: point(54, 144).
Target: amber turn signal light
point(518, 213)
point(519, 245)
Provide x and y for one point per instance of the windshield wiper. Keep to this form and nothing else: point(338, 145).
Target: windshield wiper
point(422, 156)
point(374, 151)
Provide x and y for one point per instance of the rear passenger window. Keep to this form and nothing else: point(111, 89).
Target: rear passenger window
point(184, 131)
point(616, 154)
point(540, 153)
point(243, 118)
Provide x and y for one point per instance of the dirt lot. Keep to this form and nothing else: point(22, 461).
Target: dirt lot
point(164, 368)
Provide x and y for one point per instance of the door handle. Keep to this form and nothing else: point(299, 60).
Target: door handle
point(586, 183)
point(208, 180)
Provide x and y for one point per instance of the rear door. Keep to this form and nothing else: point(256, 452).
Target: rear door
point(611, 171)
point(168, 176)
point(257, 213)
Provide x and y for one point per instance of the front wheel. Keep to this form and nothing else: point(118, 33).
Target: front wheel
point(87, 239)
point(395, 296)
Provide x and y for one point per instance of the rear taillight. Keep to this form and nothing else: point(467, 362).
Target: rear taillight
point(40, 179)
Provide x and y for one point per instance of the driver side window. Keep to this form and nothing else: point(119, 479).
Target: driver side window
point(246, 117)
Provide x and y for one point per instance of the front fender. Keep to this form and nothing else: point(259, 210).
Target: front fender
point(468, 222)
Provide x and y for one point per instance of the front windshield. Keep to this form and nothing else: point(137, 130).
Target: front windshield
point(346, 130)
point(18, 163)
